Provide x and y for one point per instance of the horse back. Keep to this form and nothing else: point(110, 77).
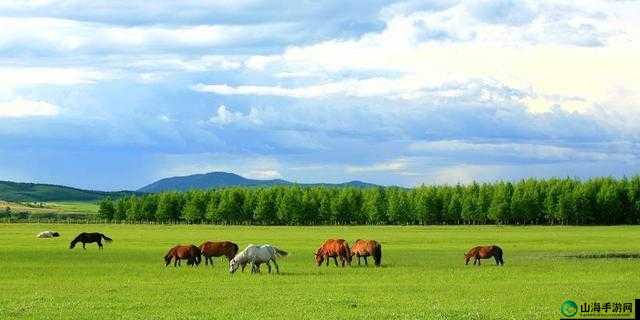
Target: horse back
point(365, 247)
point(335, 247)
point(216, 249)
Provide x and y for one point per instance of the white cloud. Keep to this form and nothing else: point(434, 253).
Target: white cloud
point(30, 76)
point(64, 35)
point(528, 152)
point(396, 165)
point(225, 116)
point(263, 174)
point(574, 55)
point(21, 108)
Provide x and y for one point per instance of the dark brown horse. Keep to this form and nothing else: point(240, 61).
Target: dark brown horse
point(333, 248)
point(190, 253)
point(366, 248)
point(89, 238)
point(484, 252)
point(211, 249)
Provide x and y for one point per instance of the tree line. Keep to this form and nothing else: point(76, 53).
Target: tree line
point(566, 201)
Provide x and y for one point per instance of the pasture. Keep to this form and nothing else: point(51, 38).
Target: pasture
point(55, 207)
point(423, 275)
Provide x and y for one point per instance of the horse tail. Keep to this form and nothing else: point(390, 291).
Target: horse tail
point(280, 252)
point(107, 239)
point(377, 255)
point(499, 254)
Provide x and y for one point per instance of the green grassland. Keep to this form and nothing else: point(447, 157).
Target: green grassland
point(55, 207)
point(423, 274)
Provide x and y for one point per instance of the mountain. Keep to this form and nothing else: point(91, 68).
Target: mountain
point(38, 192)
point(225, 179)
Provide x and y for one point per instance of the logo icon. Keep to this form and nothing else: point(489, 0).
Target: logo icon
point(569, 308)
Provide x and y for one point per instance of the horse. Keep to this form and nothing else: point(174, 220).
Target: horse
point(256, 255)
point(484, 252)
point(366, 248)
point(190, 253)
point(211, 249)
point(333, 248)
point(48, 234)
point(86, 237)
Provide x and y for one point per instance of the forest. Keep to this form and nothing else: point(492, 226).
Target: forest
point(568, 201)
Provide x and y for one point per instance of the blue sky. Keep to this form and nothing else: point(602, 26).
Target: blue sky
point(114, 95)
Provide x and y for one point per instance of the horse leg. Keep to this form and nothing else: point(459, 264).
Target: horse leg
point(276, 265)
point(100, 244)
point(83, 246)
point(357, 255)
point(253, 267)
point(497, 260)
point(335, 259)
point(269, 266)
point(365, 261)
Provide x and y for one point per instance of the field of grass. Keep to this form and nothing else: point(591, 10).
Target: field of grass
point(57, 207)
point(423, 274)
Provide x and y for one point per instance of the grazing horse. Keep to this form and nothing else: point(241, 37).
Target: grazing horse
point(484, 252)
point(366, 248)
point(190, 253)
point(211, 249)
point(333, 248)
point(256, 255)
point(89, 238)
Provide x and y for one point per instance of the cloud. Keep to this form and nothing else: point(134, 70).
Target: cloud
point(57, 76)
point(21, 108)
point(397, 165)
point(64, 36)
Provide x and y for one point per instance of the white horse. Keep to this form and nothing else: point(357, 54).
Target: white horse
point(256, 255)
point(48, 234)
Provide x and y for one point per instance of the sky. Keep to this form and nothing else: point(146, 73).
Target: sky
point(117, 94)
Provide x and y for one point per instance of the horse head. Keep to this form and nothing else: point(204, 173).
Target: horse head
point(319, 257)
point(467, 257)
point(234, 264)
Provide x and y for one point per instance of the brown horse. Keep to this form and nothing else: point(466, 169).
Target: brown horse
point(366, 248)
point(211, 249)
point(333, 248)
point(484, 252)
point(190, 253)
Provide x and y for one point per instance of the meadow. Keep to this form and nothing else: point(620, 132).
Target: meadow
point(423, 275)
point(59, 207)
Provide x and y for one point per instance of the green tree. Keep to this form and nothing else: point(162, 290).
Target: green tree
point(106, 209)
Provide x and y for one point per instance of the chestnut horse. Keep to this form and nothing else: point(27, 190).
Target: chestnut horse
point(484, 252)
point(86, 237)
point(190, 253)
point(366, 248)
point(333, 248)
point(211, 249)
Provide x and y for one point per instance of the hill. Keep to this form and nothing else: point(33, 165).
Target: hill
point(225, 179)
point(38, 192)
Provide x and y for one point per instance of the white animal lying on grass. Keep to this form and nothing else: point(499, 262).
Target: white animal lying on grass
point(256, 255)
point(48, 234)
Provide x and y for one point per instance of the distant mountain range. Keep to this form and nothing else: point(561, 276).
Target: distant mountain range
point(225, 179)
point(39, 192)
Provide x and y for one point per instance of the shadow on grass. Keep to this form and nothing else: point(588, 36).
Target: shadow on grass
point(605, 256)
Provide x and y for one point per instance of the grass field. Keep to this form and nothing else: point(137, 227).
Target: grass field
point(423, 274)
point(57, 207)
